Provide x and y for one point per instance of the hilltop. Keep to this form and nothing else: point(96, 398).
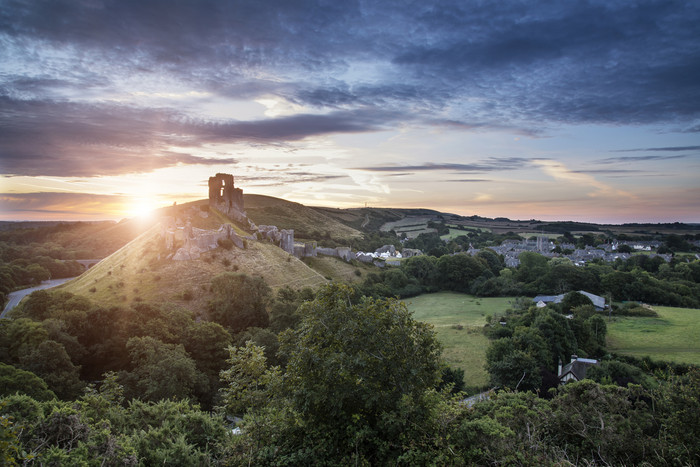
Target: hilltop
point(143, 270)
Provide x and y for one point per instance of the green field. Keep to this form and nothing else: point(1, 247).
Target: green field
point(463, 348)
point(673, 336)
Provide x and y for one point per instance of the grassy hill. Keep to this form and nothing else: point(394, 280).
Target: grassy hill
point(310, 223)
point(140, 271)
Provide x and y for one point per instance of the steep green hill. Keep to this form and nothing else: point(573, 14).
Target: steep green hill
point(140, 271)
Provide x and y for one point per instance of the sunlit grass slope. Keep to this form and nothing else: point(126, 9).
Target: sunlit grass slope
point(464, 348)
point(140, 271)
point(673, 336)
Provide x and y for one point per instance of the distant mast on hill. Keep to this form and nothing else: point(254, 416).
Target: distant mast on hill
point(226, 198)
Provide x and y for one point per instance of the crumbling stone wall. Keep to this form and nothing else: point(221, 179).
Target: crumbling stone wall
point(283, 238)
point(343, 252)
point(189, 242)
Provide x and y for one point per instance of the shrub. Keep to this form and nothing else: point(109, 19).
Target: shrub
point(187, 295)
point(225, 243)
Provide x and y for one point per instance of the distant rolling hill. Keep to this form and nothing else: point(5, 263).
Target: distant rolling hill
point(307, 222)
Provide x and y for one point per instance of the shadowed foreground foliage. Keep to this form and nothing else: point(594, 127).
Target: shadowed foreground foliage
point(357, 387)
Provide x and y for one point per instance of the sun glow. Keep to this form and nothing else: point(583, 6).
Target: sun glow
point(142, 208)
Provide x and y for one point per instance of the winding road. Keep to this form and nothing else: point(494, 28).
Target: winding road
point(17, 296)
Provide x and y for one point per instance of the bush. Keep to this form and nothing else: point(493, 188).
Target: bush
point(634, 309)
point(225, 243)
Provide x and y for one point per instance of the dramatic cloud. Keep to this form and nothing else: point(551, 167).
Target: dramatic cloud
point(69, 139)
point(486, 165)
point(96, 88)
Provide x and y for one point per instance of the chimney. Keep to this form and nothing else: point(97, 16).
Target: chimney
point(574, 358)
point(559, 368)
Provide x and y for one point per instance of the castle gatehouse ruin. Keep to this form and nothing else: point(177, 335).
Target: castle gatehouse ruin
point(226, 198)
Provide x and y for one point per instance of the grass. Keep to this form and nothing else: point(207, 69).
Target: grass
point(673, 336)
point(550, 236)
point(266, 210)
point(454, 233)
point(338, 269)
point(463, 348)
point(140, 271)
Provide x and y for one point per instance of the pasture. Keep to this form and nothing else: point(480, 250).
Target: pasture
point(672, 336)
point(458, 320)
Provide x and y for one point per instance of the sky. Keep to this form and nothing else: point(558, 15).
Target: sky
point(550, 110)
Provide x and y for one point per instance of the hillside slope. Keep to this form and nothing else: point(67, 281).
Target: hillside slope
point(307, 222)
point(140, 271)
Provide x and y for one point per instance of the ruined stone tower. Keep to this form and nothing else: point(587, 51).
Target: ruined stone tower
point(225, 197)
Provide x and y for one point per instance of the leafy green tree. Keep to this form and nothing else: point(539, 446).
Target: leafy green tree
point(357, 382)
point(557, 331)
point(247, 380)
point(625, 249)
point(50, 361)
point(456, 272)
point(511, 367)
point(268, 340)
point(532, 266)
point(161, 371)
point(206, 344)
point(604, 424)
point(240, 301)
point(620, 373)
point(679, 416)
point(424, 269)
point(15, 380)
point(347, 359)
point(572, 300)
point(283, 313)
point(19, 337)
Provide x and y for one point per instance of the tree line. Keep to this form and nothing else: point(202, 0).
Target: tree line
point(639, 278)
point(356, 383)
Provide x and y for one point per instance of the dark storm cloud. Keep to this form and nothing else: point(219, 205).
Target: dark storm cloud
point(494, 164)
point(70, 139)
point(508, 66)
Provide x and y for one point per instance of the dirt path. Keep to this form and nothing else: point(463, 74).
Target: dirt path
point(366, 221)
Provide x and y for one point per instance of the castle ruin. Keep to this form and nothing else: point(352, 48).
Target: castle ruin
point(226, 198)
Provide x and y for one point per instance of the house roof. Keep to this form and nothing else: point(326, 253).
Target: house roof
point(577, 368)
point(598, 302)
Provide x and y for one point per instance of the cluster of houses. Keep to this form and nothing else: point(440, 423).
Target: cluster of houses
point(511, 250)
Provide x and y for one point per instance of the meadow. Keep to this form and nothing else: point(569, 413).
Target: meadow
point(458, 320)
point(672, 336)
